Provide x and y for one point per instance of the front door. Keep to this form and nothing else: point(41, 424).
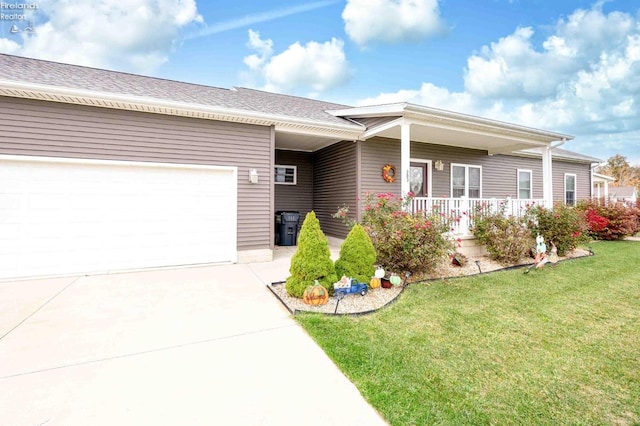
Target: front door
point(418, 179)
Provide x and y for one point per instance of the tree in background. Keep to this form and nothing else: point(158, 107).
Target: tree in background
point(619, 168)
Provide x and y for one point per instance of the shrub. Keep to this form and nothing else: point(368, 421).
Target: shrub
point(405, 242)
point(357, 256)
point(312, 260)
point(565, 226)
point(637, 210)
point(506, 238)
point(611, 221)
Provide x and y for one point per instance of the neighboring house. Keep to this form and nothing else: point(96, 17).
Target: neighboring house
point(600, 186)
point(623, 194)
point(106, 171)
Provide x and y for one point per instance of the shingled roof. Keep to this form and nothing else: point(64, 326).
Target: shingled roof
point(26, 70)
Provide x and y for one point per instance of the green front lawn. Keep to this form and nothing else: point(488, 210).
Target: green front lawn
point(556, 346)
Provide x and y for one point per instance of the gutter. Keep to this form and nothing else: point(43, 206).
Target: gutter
point(420, 112)
point(153, 105)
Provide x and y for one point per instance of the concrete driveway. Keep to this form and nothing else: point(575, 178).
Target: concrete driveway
point(185, 346)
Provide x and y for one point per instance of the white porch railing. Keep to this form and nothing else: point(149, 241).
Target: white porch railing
point(461, 209)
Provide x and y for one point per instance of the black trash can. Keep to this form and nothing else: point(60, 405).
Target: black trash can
point(287, 228)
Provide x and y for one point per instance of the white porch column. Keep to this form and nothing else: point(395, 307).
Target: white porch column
point(405, 157)
point(547, 177)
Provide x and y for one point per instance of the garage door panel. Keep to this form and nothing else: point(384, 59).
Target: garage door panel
point(70, 217)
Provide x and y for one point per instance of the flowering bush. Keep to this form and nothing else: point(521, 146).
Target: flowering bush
point(612, 221)
point(506, 238)
point(565, 226)
point(405, 241)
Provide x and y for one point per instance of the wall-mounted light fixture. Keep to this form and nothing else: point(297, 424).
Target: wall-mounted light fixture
point(439, 165)
point(253, 176)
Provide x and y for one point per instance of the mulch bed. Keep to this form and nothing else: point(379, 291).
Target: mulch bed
point(355, 304)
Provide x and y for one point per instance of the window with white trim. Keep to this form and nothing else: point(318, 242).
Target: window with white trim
point(285, 175)
point(466, 181)
point(525, 185)
point(570, 189)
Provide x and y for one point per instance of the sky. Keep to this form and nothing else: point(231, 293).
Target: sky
point(568, 66)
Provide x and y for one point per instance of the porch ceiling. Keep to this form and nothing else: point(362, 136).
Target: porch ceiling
point(432, 125)
point(493, 143)
point(304, 142)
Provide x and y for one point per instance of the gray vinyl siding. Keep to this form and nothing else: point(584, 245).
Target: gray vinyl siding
point(334, 177)
point(499, 172)
point(51, 129)
point(583, 179)
point(298, 197)
point(375, 153)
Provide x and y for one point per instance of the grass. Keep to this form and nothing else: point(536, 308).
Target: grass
point(558, 346)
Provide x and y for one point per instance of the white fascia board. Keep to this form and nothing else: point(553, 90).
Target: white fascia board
point(419, 113)
point(370, 111)
point(146, 104)
point(433, 114)
point(512, 148)
point(604, 177)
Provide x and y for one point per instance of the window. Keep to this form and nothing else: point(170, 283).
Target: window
point(285, 175)
point(466, 181)
point(524, 184)
point(570, 189)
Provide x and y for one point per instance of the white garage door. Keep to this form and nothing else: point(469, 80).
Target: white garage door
point(64, 217)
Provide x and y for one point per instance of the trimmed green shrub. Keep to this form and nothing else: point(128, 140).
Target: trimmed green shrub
point(357, 255)
point(312, 260)
point(506, 238)
point(565, 226)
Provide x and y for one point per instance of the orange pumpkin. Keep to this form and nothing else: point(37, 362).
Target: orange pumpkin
point(315, 295)
point(374, 283)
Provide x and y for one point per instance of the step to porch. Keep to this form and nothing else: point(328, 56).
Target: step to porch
point(469, 246)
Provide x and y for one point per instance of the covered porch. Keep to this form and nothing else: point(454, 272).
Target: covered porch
point(460, 211)
point(414, 124)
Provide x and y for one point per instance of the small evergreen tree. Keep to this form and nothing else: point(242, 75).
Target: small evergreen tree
point(357, 255)
point(312, 261)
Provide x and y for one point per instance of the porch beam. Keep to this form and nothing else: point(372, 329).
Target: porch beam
point(405, 157)
point(382, 128)
point(547, 176)
point(510, 148)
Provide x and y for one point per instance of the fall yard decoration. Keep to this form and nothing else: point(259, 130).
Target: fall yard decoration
point(312, 261)
point(315, 295)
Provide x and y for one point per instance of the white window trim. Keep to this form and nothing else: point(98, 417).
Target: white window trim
point(429, 171)
point(466, 178)
point(530, 182)
point(575, 188)
point(295, 174)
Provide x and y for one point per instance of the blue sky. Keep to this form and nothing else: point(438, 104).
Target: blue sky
point(569, 66)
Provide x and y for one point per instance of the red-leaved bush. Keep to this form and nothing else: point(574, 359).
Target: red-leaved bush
point(611, 221)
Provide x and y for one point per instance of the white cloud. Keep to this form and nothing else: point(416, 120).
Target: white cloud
point(247, 20)
point(584, 79)
point(391, 21)
point(133, 35)
point(314, 67)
